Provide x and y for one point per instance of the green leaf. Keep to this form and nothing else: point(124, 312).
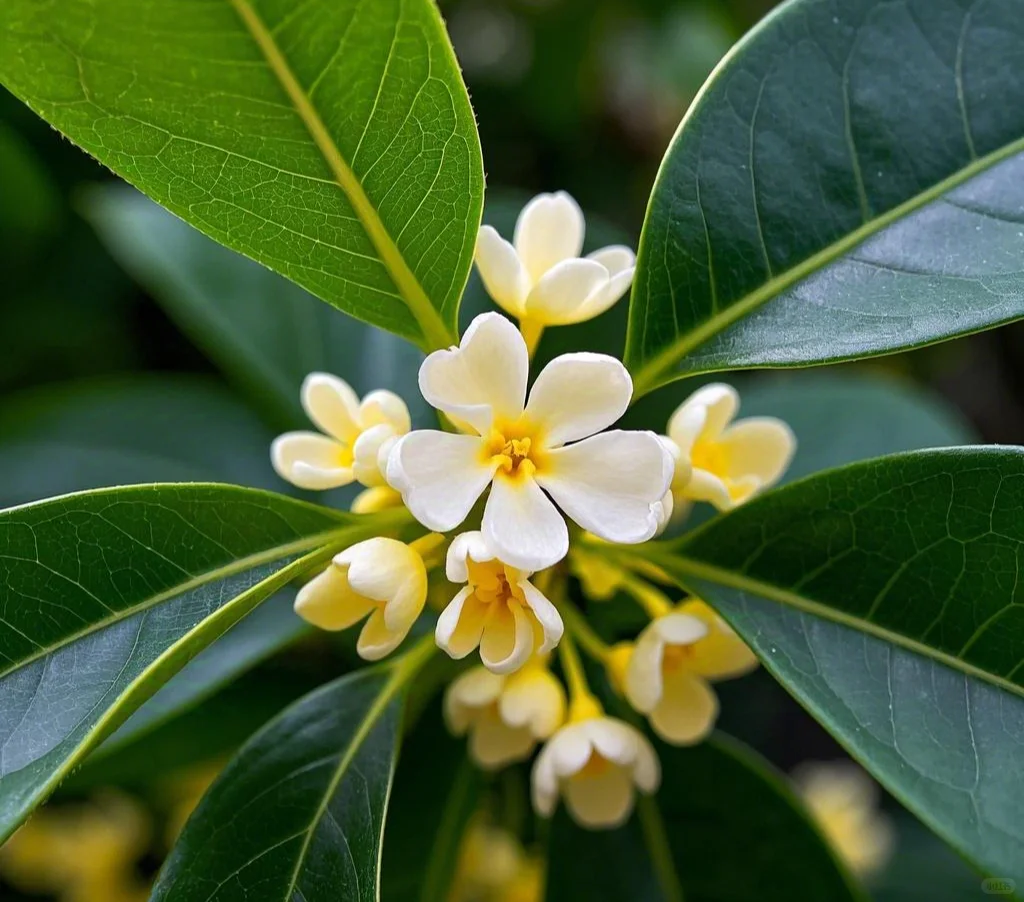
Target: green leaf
point(724, 827)
point(115, 432)
point(885, 596)
point(332, 140)
point(848, 184)
point(264, 331)
point(104, 595)
point(299, 814)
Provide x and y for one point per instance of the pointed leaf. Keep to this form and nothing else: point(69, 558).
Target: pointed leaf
point(331, 140)
point(849, 183)
point(885, 596)
point(299, 813)
point(104, 595)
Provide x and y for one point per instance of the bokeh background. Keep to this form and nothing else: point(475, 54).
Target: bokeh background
point(582, 95)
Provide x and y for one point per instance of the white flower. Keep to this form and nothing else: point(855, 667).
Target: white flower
point(357, 436)
point(595, 763)
point(611, 484)
point(730, 462)
point(505, 716)
point(383, 579)
point(666, 675)
point(499, 609)
point(844, 802)
point(540, 277)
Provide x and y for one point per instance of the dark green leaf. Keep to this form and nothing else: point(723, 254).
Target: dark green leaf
point(848, 184)
point(265, 331)
point(886, 596)
point(299, 814)
point(104, 595)
point(724, 827)
point(331, 140)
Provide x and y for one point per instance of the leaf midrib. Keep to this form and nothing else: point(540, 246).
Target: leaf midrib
point(654, 372)
point(681, 566)
point(434, 330)
point(240, 565)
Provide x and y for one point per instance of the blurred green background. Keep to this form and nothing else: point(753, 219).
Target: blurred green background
point(581, 95)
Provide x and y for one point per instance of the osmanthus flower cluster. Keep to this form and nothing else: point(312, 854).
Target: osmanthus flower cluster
point(521, 488)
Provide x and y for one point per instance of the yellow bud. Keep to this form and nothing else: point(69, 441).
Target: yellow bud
point(616, 664)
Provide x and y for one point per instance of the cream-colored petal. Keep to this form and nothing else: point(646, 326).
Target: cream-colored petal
point(609, 483)
point(522, 525)
point(376, 640)
point(460, 625)
point(603, 801)
point(758, 446)
point(468, 694)
point(643, 679)
point(663, 511)
point(720, 401)
point(439, 475)
point(646, 767)
point(547, 616)
point(503, 274)
point(366, 454)
point(706, 486)
point(613, 739)
point(494, 744)
point(380, 568)
point(562, 294)
point(721, 655)
point(311, 461)
point(687, 711)
point(533, 698)
point(379, 498)
point(466, 547)
point(484, 378)
point(680, 628)
point(332, 405)
point(329, 602)
point(507, 640)
point(685, 427)
point(385, 407)
point(544, 780)
point(608, 295)
point(549, 230)
point(616, 258)
point(571, 749)
point(576, 395)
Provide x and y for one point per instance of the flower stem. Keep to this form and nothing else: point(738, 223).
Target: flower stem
point(655, 602)
point(582, 703)
point(531, 331)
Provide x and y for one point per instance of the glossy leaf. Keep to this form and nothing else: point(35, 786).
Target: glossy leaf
point(299, 813)
point(885, 596)
point(724, 827)
point(104, 595)
point(331, 141)
point(849, 183)
point(264, 331)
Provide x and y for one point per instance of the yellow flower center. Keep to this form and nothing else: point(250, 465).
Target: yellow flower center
point(596, 766)
point(515, 448)
point(675, 658)
point(709, 456)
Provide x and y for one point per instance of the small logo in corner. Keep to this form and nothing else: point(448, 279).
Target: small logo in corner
point(998, 886)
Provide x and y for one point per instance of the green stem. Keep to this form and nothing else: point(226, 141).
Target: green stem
point(658, 848)
point(591, 643)
point(582, 703)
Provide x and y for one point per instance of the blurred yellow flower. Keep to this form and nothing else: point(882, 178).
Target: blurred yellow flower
point(493, 866)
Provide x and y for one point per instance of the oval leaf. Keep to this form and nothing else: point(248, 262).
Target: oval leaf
point(885, 596)
point(299, 813)
point(331, 140)
point(848, 184)
point(724, 827)
point(104, 595)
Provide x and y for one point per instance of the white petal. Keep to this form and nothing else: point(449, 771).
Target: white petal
point(548, 231)
point(472, 690)
point(609, 484)
point(610, 293)
point(448, 623)
point(389, 571)
point(377, 640)
point(571, 748)
point(720, 401)
point(621, 265)
point(643, 683)
point(615, 740)
point(576, 395)
point(311, 461)
point(679, 629)
point(663, 511)
point(544, 781)
point(503, 653)
point(758, 446)
point(440, 476)
point(685, 427)
point(533, 697)
point(706, 486)
point(329, 602)
point(616, 258)
point(646, 768)
point(562, 295)
point(484, 378)
point(385, 407)
point(366, 454)
point(523, 526)
point(332, 405)
point(501, 270)
point(467, 546)
point(547, 616)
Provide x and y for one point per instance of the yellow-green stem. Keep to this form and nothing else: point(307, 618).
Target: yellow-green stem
point(582, 703)
point(531, 331)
